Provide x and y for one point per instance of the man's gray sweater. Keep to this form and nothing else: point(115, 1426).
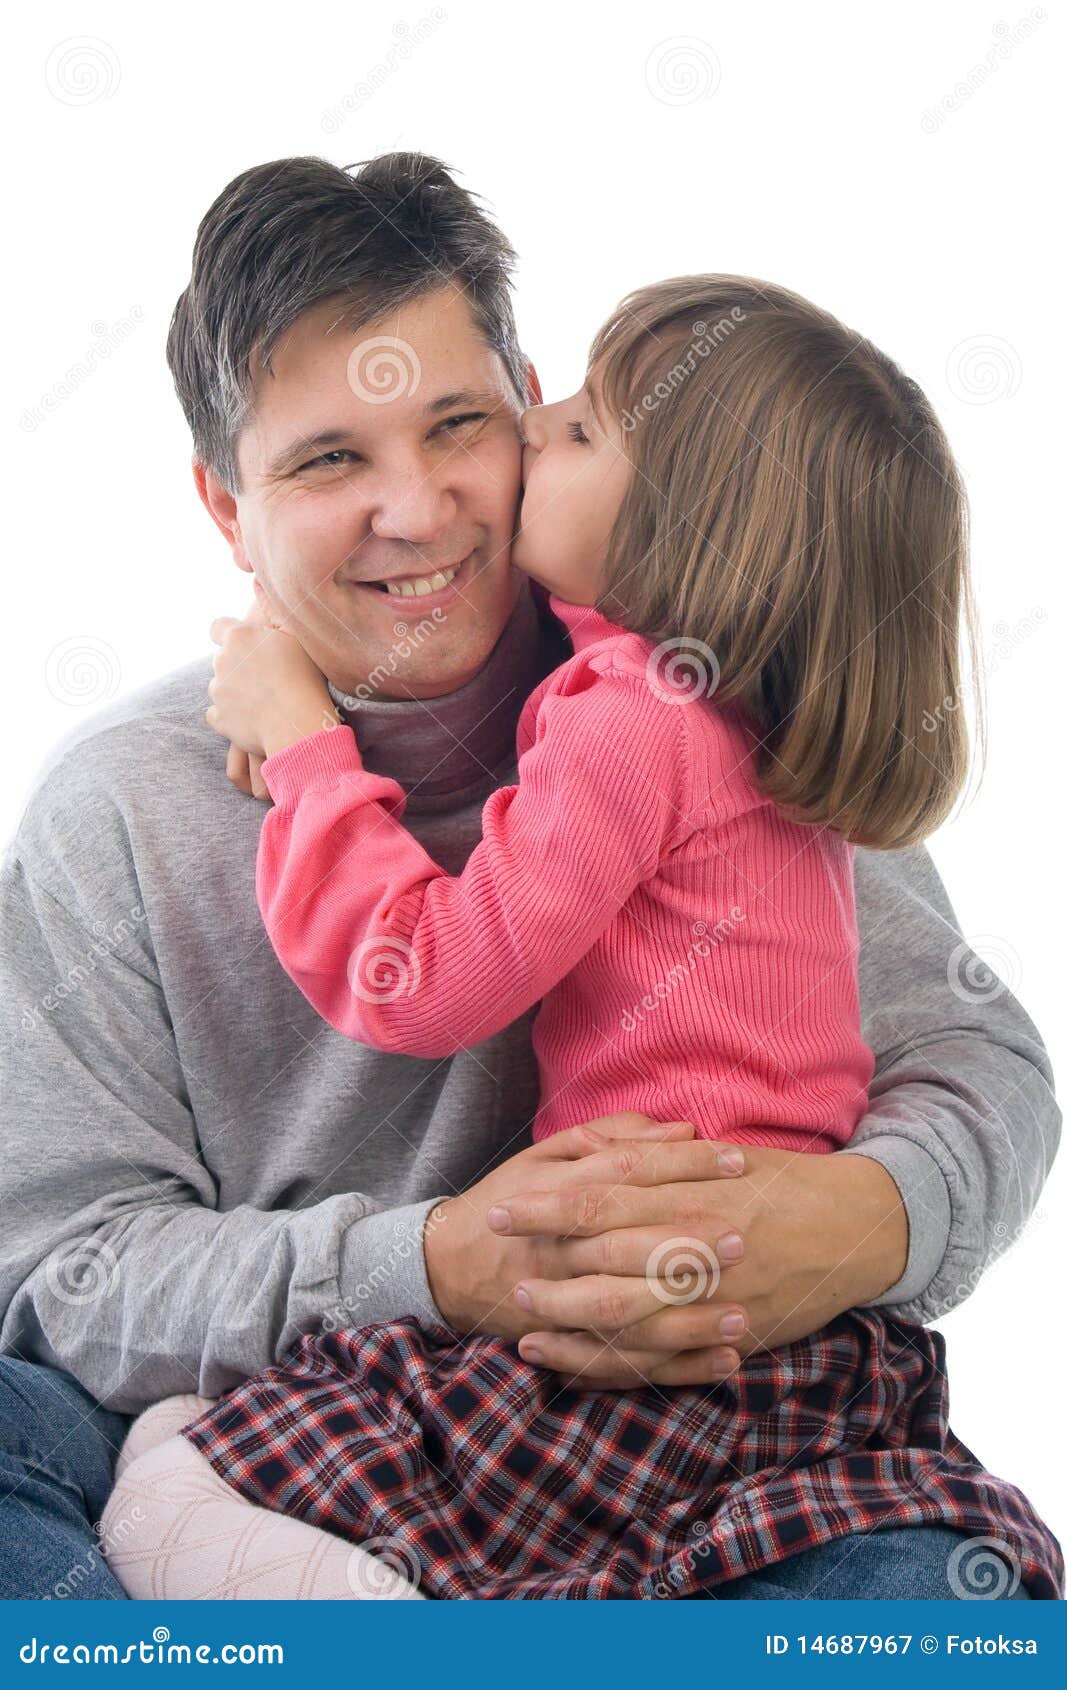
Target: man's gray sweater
point(196, 1170)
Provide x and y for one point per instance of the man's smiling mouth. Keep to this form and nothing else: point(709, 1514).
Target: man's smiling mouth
point(416, 586)
point(428, 584)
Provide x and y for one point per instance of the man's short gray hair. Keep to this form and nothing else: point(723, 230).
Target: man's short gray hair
point(285, 236)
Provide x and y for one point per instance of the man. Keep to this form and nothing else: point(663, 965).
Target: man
point(196, 1170)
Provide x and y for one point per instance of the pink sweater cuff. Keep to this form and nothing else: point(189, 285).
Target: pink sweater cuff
point(321, 759)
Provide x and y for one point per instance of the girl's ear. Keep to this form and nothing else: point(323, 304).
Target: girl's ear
point(533, 386)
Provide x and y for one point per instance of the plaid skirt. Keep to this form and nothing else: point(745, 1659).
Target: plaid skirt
point(478, 1476)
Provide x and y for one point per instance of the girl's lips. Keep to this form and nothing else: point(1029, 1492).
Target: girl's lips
point(404, 603)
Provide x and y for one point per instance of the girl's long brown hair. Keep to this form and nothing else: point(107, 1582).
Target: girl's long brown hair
point(794, 506)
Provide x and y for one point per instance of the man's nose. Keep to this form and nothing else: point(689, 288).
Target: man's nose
point(412, 507)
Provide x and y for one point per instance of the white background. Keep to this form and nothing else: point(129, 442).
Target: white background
point(811, 145)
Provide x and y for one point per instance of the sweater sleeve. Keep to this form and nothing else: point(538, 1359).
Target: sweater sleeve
point(961, 1111)
point(394, 952)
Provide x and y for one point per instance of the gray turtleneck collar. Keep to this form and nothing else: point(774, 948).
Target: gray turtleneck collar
point(442, 750)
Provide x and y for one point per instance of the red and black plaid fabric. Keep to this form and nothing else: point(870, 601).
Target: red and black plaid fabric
point(478, 1473)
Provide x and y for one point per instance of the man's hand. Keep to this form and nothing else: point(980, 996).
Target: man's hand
point(611, 1190)
point(821, 1235)
point(266, 693)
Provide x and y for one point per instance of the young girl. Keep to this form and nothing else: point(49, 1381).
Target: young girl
point(753, 530)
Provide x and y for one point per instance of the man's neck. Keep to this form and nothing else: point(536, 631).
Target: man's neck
point(443, 750)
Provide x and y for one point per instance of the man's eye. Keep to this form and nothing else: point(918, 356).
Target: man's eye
point(451, 424)
point(577, 433)
point(329, 460)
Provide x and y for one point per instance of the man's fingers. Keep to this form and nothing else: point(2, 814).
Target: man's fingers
point(668, 1252)
point(584, 1362)
point(655, 1162)
point(598, 1303)
point(697, 1367)
point(581, 1211)
point(589, 1137)
point(587, 1361)
point(678, 1314)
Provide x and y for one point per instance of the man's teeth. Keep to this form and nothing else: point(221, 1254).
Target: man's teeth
point(415, 586)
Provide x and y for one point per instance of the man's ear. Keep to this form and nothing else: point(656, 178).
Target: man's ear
point(534, 395)
point(221, 506)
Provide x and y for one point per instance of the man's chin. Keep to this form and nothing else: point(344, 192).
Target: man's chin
point(422, 661)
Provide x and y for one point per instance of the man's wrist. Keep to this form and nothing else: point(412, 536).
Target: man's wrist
point(927, 1201)
point(437, 1240)
point(875, 1251)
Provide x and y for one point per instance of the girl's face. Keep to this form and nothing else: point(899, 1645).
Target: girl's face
point(574, 473)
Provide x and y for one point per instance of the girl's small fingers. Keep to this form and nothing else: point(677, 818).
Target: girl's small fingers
point(238, 771)
point(259, 785)
point(220, 628)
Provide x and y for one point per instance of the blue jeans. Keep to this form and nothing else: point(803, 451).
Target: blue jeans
point(57, 1462)
point(909, 1563)
point(57, 1465)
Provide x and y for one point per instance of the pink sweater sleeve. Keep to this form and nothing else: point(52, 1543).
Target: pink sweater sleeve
point(394, 952)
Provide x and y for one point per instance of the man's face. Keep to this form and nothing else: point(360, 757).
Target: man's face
point(389, 454)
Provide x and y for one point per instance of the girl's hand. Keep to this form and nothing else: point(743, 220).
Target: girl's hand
point(243, 771)
point(266, 692)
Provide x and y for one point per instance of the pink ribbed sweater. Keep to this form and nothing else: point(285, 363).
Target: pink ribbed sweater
point(695, 951)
